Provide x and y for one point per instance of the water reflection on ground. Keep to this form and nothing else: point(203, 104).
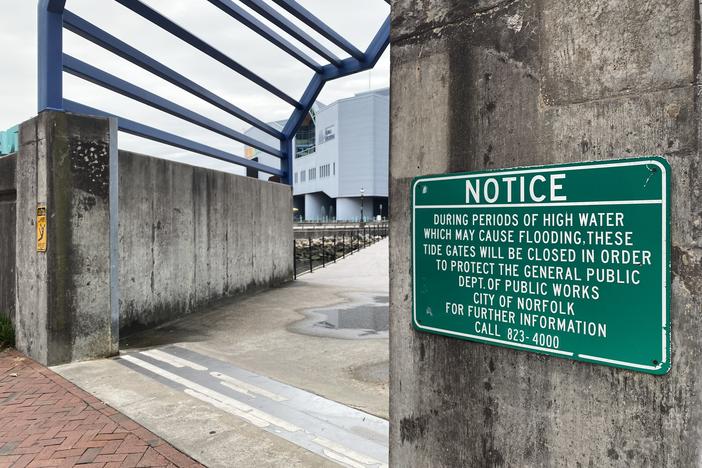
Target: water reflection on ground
point(364, 316)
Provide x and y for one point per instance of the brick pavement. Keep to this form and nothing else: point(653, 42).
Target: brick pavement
point(47, 421)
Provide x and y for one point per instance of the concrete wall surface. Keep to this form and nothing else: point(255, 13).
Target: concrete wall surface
point(64, 298)
point(8, 195)
point(494, 84)
point(350, 208)
point(189, 236)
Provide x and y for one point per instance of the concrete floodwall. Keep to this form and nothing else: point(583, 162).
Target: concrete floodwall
point(128, 241)
point(495, 84)
point(8, 197)
point(189, 236)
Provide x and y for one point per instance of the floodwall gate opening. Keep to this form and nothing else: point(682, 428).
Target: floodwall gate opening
point(100, 237)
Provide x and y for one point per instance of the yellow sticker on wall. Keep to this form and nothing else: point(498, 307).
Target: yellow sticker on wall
point(41, 227)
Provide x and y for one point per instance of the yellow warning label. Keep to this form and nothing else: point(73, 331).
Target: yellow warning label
point(41, 227)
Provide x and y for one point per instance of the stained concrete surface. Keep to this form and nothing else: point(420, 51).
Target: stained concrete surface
point(254, 334)
point(8, 195)
point(504, 83)
point(189, 236)
point(64, 297)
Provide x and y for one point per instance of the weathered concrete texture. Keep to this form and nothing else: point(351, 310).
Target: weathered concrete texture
point(8, 194)
point(189, 236)
point(500, 84)
point(63, 295)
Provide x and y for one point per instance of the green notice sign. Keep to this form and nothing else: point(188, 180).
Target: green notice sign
point(567, 260)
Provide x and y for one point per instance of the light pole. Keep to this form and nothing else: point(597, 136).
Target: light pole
point(362, 192)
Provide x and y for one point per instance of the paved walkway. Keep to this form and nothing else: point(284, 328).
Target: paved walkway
point(295, 376)
point(47, 421)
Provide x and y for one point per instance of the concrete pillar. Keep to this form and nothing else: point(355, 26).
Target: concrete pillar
point(66, 307)
point(494, 84)
point(313, 206)
point(349, 208)
point(8, 194)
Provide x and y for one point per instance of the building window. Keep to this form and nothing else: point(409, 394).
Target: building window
point(312, 173)
point(304, 138)
point(334, 171)
point(296, 177)
point(324, 171)
point(302, 176)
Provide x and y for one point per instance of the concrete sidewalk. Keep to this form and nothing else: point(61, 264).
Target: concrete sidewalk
point(47, 421)
point(295, 376)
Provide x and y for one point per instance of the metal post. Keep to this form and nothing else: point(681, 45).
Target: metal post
point(334, 246)
point(324, 247)
point(362, 191)
point(309, 250)
point(294, 258)
point(50, 54)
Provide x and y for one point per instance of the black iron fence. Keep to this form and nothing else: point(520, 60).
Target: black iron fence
point(317, 248)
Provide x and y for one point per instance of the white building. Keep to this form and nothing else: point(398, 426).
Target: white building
point(341, 158)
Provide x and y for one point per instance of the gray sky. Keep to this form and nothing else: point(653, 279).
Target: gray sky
point(357, 21)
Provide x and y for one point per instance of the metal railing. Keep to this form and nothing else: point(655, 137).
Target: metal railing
point(318, 251)
point(54, 18)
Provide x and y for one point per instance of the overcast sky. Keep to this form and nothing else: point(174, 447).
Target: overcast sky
point(358, 21)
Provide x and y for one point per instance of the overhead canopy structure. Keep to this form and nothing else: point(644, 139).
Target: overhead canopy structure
point(54, 18)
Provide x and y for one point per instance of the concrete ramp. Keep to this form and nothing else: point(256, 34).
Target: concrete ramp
point(243, 385)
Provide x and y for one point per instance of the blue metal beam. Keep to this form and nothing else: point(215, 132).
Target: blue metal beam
point(135, 128)
point(50, 46)
point(286, 147)
point(330, 72)
point(248, 20)
point(308, 97)
point(159, 20)
point(88, 72)
point(304, 15)
point(55, 6)
point(96, 35)
point(348, 66)
point(52, 18)
point(289, 27)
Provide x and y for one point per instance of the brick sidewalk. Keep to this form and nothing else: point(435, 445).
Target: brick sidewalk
point(47, 421)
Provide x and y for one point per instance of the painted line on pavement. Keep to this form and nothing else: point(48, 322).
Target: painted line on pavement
point(351, 438)
point(228, 408)
point(347, 452)
point(244, 387)
point(175, 361)
point(212, 394)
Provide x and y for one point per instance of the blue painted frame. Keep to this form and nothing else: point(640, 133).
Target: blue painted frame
point(53, 18)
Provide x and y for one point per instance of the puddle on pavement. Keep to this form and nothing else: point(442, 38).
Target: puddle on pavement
point(364, 317)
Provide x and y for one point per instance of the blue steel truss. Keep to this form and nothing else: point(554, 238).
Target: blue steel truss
point(54, 18)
